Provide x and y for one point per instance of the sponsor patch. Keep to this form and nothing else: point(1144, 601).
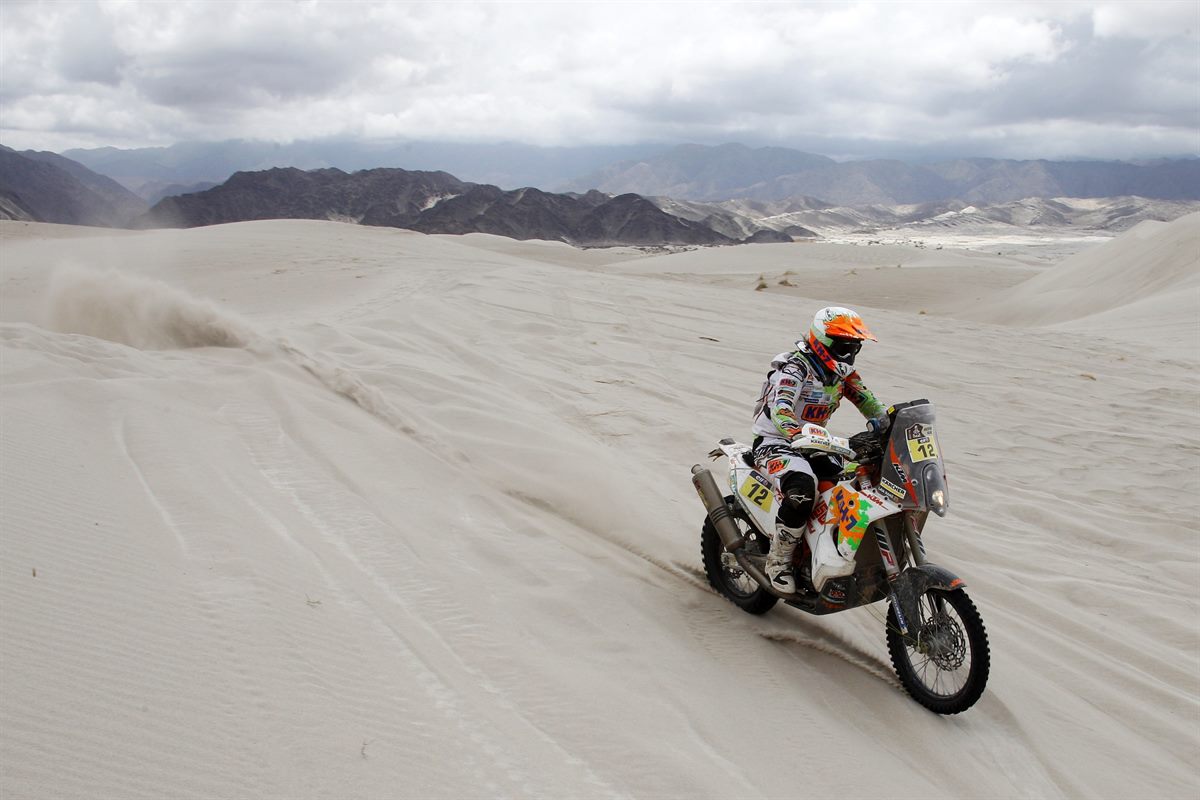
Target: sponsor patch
point(815, 413)
point(786, 382)
point(777, 464)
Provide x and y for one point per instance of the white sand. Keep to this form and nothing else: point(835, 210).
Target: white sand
point(424, 526)
point(1143, 287)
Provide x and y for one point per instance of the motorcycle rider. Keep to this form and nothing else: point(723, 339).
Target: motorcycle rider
point(806, 385)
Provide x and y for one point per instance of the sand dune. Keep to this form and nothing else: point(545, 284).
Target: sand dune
point(1144, 286)
point(301, 509)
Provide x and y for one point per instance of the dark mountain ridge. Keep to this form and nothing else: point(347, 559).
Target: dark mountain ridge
point(45, 187)
point(430, 202)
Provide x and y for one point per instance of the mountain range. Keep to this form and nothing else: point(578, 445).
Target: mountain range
point(433, 202)
point(801, 218)
point(733, 171)
point(685, 172)
point(46, 187)
point(149, 170)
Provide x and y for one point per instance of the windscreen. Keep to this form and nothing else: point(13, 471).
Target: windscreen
point(912, 465)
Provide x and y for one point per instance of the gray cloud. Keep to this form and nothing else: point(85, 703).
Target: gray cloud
point(1006, 78)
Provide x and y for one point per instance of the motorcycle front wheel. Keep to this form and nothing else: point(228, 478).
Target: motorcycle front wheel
point(943, 661)
point(727, 577)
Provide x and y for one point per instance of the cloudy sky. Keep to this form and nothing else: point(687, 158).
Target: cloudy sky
point(1007, 79)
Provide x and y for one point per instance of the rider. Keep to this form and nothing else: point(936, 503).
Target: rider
point(806, 385)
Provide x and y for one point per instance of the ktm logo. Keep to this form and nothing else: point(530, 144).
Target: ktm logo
point(776, 464)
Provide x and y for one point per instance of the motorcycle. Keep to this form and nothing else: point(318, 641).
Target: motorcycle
point(862, 544)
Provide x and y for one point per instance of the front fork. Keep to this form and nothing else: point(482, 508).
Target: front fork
point(916, 551)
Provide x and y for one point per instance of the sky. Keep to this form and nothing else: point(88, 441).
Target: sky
point(849, 80)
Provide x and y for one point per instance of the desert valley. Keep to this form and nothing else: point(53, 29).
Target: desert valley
point(298, 508)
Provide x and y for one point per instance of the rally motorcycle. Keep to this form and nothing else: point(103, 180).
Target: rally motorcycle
point(862, 544)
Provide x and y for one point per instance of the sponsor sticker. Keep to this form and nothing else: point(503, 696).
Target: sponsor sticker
point(874, 498)
point(815, 413)
point(891, 488)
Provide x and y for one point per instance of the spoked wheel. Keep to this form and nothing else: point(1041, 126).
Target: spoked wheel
point(727, 576)
point(943, 661)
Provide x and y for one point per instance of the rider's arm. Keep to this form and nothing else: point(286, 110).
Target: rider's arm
point(781, 401)
point(862, 397)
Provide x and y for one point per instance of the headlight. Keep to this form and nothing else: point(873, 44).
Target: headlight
point(937, 502)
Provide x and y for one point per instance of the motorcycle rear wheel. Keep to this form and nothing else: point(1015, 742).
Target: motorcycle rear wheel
point(730, 581)
point(945, 666)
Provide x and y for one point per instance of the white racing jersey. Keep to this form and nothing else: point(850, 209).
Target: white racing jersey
point(794, 393)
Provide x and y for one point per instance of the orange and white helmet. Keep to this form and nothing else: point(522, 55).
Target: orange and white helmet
point(836, 336)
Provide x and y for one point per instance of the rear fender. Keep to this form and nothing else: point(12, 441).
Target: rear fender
point(914, 582)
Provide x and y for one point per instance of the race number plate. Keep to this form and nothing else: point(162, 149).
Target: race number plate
point(922, 445)
point(757, 492)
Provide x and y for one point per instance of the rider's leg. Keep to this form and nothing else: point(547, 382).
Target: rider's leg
point(799, 493)
point(798, 488)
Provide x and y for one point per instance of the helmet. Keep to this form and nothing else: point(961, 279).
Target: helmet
point(835, 338)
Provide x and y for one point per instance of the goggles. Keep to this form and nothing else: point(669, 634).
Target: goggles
point(845, 349)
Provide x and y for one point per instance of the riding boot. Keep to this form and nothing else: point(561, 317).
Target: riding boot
point(779, 558)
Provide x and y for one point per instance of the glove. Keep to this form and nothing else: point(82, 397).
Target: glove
point(866, 445)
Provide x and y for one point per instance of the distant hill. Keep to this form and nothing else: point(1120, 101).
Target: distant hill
point(431, 202)
point(153, 192)
point(694, 172)
point(807, 218)
point(45, 187)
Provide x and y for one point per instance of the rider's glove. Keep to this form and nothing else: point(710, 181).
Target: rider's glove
point(877, 425)
point(866, 445)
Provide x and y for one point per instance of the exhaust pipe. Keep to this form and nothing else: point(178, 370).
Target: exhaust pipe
point(718, 512)
point(731, 540)
point(723, 521)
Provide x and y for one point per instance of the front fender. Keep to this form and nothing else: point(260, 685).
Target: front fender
point(914, 582)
